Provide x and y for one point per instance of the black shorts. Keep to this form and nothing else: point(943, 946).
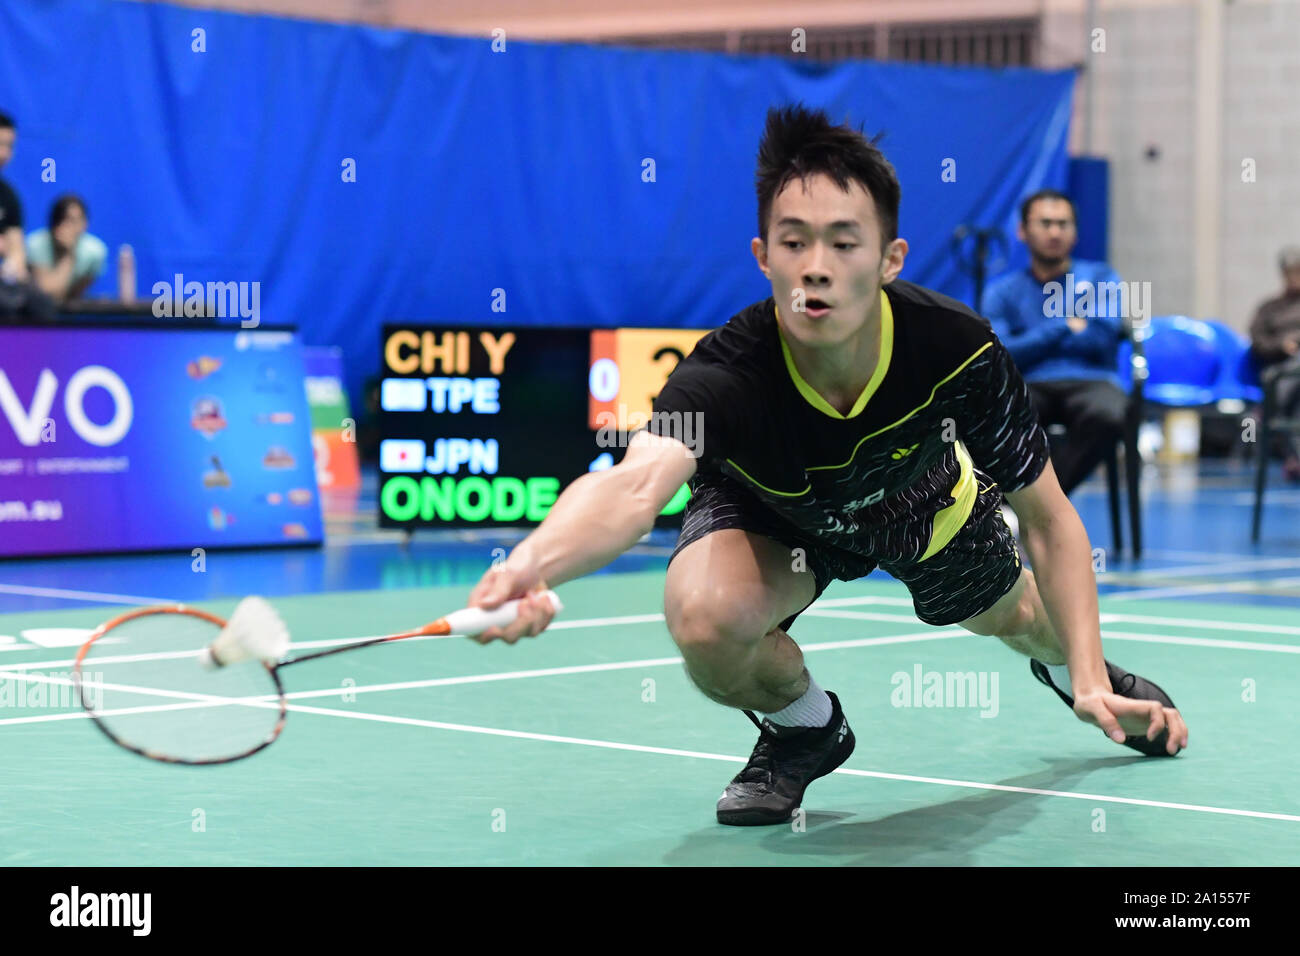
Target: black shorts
point(967, 576)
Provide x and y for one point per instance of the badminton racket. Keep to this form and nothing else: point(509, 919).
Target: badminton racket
point(180, 685)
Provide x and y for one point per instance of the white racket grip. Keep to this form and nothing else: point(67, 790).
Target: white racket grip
point(475, 620)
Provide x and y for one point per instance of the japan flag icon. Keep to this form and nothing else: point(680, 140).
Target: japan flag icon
point(401, 454)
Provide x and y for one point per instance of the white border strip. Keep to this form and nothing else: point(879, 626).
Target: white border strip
point(81, 596)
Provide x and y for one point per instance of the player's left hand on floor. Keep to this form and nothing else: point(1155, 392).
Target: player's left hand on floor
point(1122, 718)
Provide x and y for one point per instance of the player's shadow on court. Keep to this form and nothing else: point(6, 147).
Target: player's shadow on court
point(939, 834)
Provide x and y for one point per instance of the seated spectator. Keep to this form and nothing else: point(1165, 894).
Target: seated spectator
point(20, 300)
point(64, 258)
point(1057, 323)
point(1275, 342)
point(13, 261)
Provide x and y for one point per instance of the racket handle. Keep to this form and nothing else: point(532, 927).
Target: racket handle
point(475, 620)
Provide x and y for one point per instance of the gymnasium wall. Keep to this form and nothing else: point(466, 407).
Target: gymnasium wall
point(562, 184)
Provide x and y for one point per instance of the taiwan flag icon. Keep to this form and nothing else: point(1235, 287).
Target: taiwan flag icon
point(401, 454)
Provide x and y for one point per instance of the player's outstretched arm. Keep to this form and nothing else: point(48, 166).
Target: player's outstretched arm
point(1062, 558)
point(594, 520)
point(1061, 554)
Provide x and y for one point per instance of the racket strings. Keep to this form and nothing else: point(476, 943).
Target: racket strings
point(143, 683)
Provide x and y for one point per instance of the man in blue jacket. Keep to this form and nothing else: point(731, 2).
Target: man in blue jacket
point(1061, 321)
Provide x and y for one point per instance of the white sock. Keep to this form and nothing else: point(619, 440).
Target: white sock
point(813, 709)
point(1060, 674)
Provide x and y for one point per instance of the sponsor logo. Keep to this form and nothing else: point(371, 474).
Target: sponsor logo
point(278, 457)
point(202, 367)
point(31, 424)
point(218, 477)
point(207, 416)
point(276, 418)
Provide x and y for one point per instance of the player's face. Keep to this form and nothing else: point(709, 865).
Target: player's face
point(1291, 279)
point(7, 138)
point(824, 258)
point(1050, 231)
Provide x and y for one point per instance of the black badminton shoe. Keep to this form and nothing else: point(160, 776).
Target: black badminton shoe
point(1125, 685)
point(785, 760)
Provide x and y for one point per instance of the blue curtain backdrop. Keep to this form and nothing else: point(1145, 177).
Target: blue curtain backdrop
point(475, 170)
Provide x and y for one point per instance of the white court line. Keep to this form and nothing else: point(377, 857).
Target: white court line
point(602, 621)
point(614, 666)
point(82, 595)
point(1203, 642)
point(1106, 617)
point(932, 635)
point(907, 778)
point(1199, 555)
point(214, 699)
point(850, 601)
point(1187, 590)
point(1253, 564)
point(207, 700)
point(332, 642)
point(597, 668)
point(177, 655)
point(1110, 618)
point(339, 641)
point(450, 681)
point(117, 711)
point(861, 615)
point(825, 608)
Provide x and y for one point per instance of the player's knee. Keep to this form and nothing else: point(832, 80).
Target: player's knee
point(713, 621)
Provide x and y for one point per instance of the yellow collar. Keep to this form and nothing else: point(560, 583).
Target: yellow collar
point(882, 366)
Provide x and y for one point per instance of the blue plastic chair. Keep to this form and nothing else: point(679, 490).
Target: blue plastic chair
point(1239, 375)
point(1184, 364)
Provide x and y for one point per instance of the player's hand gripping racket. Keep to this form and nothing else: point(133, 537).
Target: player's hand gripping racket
point(180, 685)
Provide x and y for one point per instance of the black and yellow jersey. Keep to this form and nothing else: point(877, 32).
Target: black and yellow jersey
point(945, 414)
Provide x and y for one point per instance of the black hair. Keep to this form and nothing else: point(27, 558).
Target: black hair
point(799, 142)
point(59, 211)
point(1046, 194)
point(7, 121)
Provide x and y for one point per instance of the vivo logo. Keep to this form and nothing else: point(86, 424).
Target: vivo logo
point(28, 421)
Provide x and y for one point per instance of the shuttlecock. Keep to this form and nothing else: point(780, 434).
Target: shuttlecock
point(253, 631)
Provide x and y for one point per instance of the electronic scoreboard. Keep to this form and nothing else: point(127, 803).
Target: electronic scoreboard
point(486, 426)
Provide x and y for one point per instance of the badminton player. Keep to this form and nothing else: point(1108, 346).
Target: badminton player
point(851, 421)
